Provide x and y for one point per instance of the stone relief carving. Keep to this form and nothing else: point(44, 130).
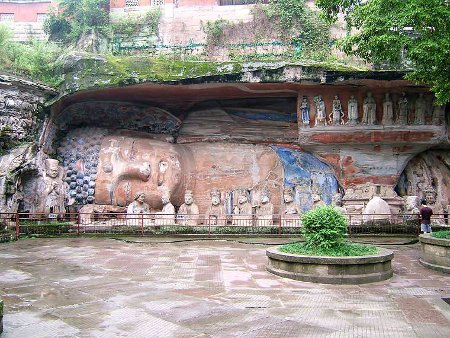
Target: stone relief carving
point(420, 110)
point(264, 211)
point(337, 114)
point(53, 191)
point(138, 210)
point(369, 110)
point(242, 211)
point(291, 211)
point(438, 114)
point(403, 110)
point(412, 204)
point(352, 111)
point(388, 110)
point(188, 214)
point(215, 215)
point(167, 215)
point(321, 115)
point(304, 110)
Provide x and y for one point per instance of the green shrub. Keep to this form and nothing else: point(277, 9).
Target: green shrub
point(324, 227)
point(345, 249)
point(442, 234)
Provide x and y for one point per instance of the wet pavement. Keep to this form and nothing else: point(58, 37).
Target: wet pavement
point(88, 287)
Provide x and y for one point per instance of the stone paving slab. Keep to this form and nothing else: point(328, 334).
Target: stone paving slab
point(87, 287)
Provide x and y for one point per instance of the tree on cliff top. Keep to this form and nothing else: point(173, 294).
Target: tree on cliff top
point(75, 17)
point(415, 32)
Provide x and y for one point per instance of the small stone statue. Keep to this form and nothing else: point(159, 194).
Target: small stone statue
point(216, 211)
point(402, 118)
point(264, 212)
point(167, 215)
point(369, 110)
point(188, 213)
point(336, 202)
point(291, 212)
point(352, 111)
point(419, 113)
point(304, 109)
point(438, 114)
point(242, 212)
point(388, 111)
point(317, 201)
point(321, 115)
point(412, 207)
point(138, 210)
point(54, 191)
point(337, 115)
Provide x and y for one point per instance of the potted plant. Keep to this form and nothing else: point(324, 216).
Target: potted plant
point(326, 255)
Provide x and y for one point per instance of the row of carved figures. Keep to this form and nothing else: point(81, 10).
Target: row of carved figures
point(337, 115)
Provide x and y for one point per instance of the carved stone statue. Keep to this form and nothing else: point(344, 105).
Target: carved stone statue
point(317, 201)
point(369, 110)
point(188, 213)
point(336, 202)
point(352, 111)
point(304, 109)
point(290, 216)
point(54, 192)
point(337, 115)
point(167, 215)
point(138, 211)
point(215, 215)
point(264, 212)
point(242, 212)
point(403, 108)
point(321, 115)
point(388, 110)
point(438, 114)
point(420, 108)
point(412, 207)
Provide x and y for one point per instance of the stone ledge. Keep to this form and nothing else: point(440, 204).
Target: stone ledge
point(331, 270)
point(435, 253)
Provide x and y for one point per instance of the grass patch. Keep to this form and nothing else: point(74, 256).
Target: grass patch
point(442, 234)
point(345, 249)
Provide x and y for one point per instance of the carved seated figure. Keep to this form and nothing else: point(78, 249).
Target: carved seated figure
point(242, 212)
point(412, 207)
point(216, 211)
point(167, 215)
point(317, 201)
point(188, 213)
point(290, 216)
point(138, 211)
point(264, 212)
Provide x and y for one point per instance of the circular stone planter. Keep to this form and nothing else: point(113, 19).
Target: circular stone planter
point(331, 270)
point(435, 253)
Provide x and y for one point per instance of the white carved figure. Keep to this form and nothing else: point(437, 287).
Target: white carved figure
point(412, 204)
point(138, 211)
point(337, 115)
point(215, 215)
point(317, 201)
point(242, 212)
point(403, 108)
point(321, 115)
point(290, 216)
point(54, 191)
point(188, 213)
point(264, 211)
point(352, 111)
point(420, 108)
point(377, 209)
point(388, 110)
point(369, 110)
point(304, 109)
point(167, 215)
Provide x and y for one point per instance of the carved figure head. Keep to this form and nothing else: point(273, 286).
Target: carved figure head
point(243, 196)
point(188, 197)
point(165, 197)
point(215, 196)
point(412, 202)
point(430, 195)
point(52, 167)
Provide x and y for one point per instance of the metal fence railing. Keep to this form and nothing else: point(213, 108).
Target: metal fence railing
point(37, 224)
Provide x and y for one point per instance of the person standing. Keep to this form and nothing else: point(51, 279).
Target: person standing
point(425, 217)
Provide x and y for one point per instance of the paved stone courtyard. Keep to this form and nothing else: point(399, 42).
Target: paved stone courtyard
point(88, 287)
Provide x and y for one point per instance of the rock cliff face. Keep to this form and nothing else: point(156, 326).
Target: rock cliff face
point(119, 128)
